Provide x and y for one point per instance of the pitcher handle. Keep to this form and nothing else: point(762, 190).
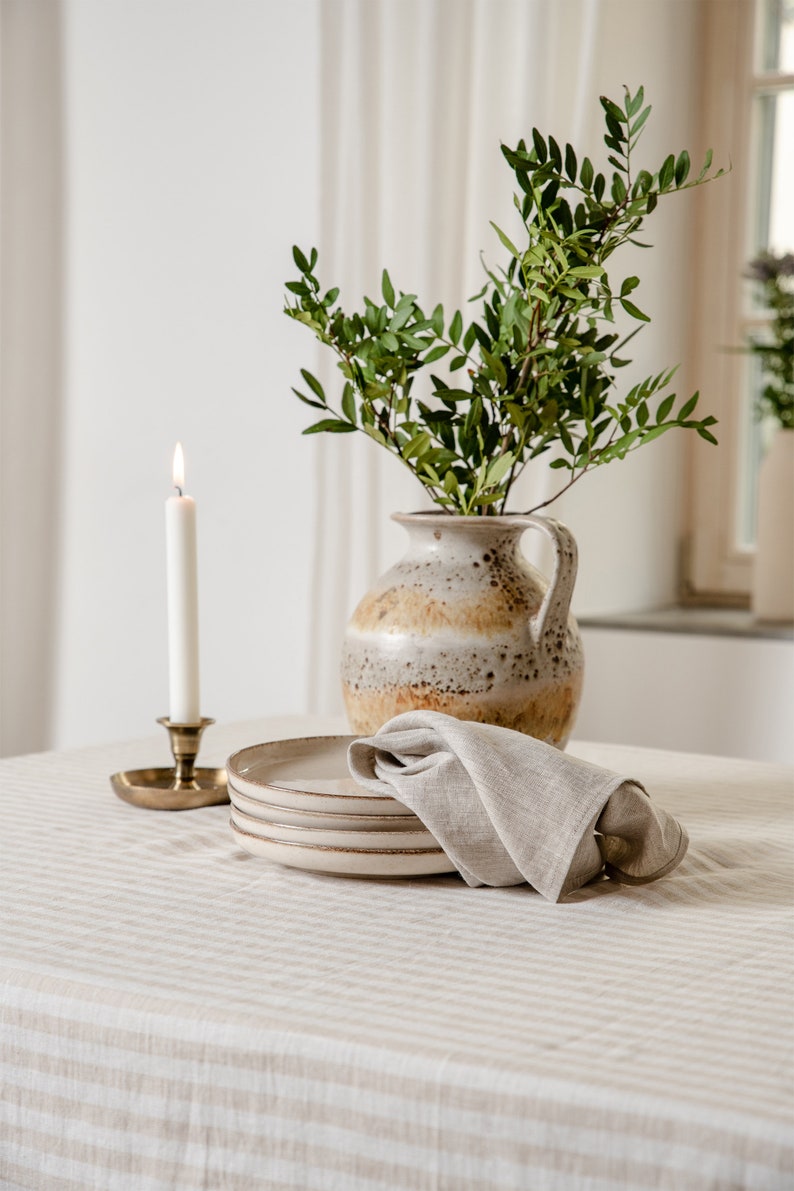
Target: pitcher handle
point(552, 616)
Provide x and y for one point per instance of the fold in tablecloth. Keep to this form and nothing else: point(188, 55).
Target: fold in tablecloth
point(508, 809)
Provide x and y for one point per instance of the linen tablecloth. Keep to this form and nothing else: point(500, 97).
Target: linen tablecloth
point(175, 1013)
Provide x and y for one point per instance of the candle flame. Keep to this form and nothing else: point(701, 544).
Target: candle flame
point(179, 468)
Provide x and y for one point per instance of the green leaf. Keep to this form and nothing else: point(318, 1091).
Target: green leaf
point(540, 145)
point(489, 499)
point(706, 165)
point(508, 243)
point(549, 194)
point(436, 353)
point(633, 310)
point(333, 425)
point(616, 135)
point(417, 445)
point(308, 400)
point(349, 403)
point(453, 394)
point(387, 289)
point(437, 321)
point(637, 125)
point(682, 168)
point(665, 407)
point(654, 432)
point(496, 366)
point(498, 469)
point(400, 318)
point(300, 260)
point(586, 271)
point(667, 172)
point(314, 385)
point(643, 183)
point(688, 407)
point(629, 284)
point(570, 162)
point(586, 173)
point(612, 109)
point(633, 104)
point(565, 438)
point(377, 434)
point(455, 328)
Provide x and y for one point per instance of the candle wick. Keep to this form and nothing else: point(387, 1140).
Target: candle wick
point(179, 490)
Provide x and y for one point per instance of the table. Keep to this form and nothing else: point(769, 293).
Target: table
point(176, 1013)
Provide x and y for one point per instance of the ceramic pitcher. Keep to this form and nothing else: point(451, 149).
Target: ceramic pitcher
point(463, 624)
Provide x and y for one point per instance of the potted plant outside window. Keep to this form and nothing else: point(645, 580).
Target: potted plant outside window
point(773, 568)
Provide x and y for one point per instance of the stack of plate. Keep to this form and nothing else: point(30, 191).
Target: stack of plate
point(295, 802)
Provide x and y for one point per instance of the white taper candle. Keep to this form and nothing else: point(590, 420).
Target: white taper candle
point(183, 634)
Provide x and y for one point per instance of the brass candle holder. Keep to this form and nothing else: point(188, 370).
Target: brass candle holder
point(181, 788)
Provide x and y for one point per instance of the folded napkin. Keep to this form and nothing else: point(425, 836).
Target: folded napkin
point(507, 808)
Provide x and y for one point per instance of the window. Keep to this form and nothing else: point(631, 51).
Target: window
point(748, 107)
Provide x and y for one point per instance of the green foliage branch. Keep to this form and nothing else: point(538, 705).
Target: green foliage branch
point(775, 274)
point(540, 361)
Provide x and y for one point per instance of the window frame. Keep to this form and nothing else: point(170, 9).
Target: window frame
point(716, 568)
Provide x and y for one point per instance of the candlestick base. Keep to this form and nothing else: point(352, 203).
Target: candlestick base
point(179, 789)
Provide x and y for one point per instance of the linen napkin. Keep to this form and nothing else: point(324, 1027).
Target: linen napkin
point(507, 808)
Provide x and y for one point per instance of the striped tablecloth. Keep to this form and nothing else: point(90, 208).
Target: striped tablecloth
point(176, 1013)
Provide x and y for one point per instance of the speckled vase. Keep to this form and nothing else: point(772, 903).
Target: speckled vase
point(463, 624)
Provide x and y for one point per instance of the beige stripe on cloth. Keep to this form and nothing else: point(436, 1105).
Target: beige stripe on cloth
point(508, 809)
point(259, 1026)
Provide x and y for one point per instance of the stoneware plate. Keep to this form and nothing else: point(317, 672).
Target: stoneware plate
point(306, 774)
point(347, 862)
point(269, 812)
point(322, 837)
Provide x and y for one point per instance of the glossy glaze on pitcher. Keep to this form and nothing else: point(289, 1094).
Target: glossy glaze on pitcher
point(463, 625)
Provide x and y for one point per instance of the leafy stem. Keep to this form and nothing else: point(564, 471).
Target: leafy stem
point(540, 360)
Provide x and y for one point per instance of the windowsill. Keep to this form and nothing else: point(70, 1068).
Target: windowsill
point(713, 622)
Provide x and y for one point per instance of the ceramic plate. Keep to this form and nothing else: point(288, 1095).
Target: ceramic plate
point(306, 774)
point(347, 862)
point(323, 837)
point(269, 812)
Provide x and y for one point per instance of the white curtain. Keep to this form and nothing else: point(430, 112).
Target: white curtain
point(416, 97)
point(30, 368)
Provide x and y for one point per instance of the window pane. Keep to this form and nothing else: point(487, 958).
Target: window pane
point(781, 204)
point(750, 447)
point(777, 37)
point(773, 223)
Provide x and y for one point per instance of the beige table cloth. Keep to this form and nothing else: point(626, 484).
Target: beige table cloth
point(175, 1013)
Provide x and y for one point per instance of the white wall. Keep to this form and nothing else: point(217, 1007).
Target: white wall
point(191, 144)
point(728, 696)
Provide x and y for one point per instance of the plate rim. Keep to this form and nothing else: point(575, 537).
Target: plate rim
point(341, 814)
point(342, 851)
point(353, 832)
point(233, 768)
